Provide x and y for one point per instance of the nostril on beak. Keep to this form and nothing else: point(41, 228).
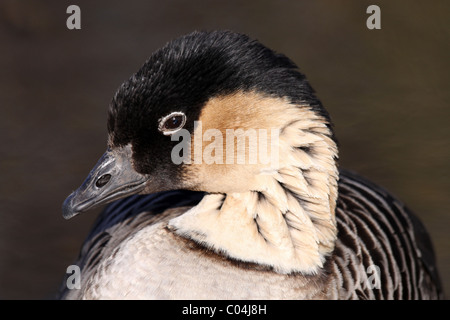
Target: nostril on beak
point(103, 180)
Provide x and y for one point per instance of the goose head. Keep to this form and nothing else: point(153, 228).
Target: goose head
point(172, 126)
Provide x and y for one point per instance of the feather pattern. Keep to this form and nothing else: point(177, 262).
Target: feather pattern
point(294, 228)
point(382, 252)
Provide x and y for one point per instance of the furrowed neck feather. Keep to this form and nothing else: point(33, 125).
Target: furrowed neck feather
point(286, 220)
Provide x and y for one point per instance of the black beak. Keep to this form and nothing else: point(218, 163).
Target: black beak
point(112, 178)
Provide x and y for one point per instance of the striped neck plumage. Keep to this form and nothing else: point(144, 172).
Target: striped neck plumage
point(286, 220)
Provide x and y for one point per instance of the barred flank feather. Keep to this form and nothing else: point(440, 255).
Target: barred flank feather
point(375, 229)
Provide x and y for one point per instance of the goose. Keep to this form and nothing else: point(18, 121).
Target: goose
point(188, 222)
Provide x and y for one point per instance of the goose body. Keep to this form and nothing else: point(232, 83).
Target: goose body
point(294, 228)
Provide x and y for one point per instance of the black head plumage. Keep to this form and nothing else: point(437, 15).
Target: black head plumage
point(188, 71)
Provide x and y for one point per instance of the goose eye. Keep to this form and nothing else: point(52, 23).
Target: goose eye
point(103, 180)
point(172, 123)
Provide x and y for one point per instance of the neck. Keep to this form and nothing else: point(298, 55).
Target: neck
point(287, 220)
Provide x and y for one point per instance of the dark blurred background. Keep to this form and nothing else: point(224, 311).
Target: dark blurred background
point(387, 91)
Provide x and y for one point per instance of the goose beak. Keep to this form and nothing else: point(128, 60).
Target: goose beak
point(112, 178)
